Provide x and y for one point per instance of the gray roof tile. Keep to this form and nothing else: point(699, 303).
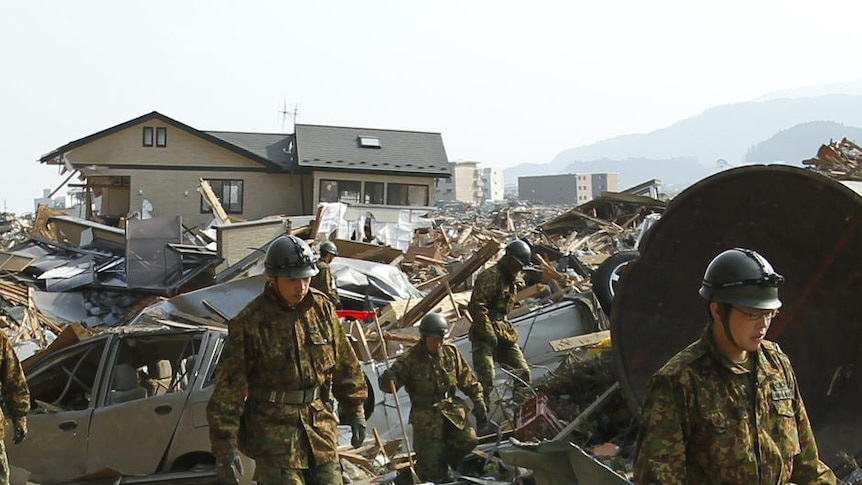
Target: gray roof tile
point(338, 148)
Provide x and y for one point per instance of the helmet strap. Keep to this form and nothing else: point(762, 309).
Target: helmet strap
point(724, 316)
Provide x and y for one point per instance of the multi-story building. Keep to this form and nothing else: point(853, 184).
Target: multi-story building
point(566, 189)
point(470, 184)
point(492, 184)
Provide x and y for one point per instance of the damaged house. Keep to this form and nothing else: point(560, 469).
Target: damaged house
point(153, 166)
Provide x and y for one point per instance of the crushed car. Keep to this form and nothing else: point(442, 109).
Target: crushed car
point(130, 401)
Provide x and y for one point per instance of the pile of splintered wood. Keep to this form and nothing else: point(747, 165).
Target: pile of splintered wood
point(839, 160)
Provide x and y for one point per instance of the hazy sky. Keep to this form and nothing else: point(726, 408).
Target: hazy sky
point(504, 82)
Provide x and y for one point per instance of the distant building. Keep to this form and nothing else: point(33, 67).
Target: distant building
point(58, 203)
point(492, 184)
point(470, 184)
point(566, 189)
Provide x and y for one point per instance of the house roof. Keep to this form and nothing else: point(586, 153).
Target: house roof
point(317, 148)
point(274, 147)
point(371, 150)
point(254, 151)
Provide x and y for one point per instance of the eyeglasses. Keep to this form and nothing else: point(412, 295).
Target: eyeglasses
point(757, 316)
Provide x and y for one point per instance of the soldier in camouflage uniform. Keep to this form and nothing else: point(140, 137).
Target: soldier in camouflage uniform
point(286, 350)
point(431, 371)
point(323, 279)
point(727, 409)
point(16, 401)
point(491, 333)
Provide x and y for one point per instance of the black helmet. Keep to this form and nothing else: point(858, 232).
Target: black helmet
point(328, 247)
point(434, 325)
point(290, 256)
point(520, 252)
point(742, 277)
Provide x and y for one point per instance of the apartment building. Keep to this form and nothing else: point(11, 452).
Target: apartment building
point(566, 189)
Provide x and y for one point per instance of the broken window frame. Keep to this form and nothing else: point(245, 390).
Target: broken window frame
point(411, 195)
point(374, 193)
point(230, 194)
point(346, 191)
point(67, 381)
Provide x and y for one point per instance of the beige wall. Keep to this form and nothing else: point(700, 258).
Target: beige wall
point(263, 194)
point(467, 180)
point(125, 148)
point(174, 192)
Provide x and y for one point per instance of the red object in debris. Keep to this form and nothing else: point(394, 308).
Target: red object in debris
point(355, 314)
point(606, 449)
point(537, 419)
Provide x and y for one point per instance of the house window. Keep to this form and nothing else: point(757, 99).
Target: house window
point(161, 137)
point(148, 136)
point(407, 194)
point(229, 194)
point(369, 142)
point(374, 193)
point(346, 191)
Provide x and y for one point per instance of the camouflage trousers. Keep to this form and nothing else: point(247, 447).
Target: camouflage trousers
point(438, 444)
point(324, 474)
point(509, 355)
point(4, 465)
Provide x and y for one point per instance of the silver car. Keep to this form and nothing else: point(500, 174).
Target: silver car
point(131, 402)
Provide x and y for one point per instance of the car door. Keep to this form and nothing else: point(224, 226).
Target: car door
point(134, 423)
point(62, 387)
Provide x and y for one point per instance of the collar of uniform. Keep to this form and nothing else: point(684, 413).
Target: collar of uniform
point(712, 348)
point(272, 294)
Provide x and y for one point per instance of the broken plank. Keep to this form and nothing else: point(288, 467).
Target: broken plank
point(579, 341)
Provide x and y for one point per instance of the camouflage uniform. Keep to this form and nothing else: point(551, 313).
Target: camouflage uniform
point(442, 434)
point(705, 422)
point(489, 306)
point(274, 347)
point(323, 281)
point(16, 398)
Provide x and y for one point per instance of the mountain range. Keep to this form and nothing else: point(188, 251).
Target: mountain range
point(785, 127)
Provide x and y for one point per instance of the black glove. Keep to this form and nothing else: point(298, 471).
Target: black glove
point(229, 469)
point(386, 381)
point(357, 429)
point(20, 431)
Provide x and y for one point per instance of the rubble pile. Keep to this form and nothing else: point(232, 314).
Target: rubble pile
point(841, 160)
point(609, 431)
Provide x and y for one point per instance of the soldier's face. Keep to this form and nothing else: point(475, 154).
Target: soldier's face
point(432, 344)
point(293, 290)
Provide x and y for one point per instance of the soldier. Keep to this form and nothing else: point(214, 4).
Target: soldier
point(431, 370)
point(492, 335)
point(323, 279)
point(16, 401)
point(727, 409)
point(286, 350)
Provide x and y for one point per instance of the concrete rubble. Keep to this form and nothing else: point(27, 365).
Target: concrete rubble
point(63, 280)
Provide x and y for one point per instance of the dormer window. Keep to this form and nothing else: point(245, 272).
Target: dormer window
point(369, 142)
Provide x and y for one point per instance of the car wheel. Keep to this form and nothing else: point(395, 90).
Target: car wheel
point(607, 275)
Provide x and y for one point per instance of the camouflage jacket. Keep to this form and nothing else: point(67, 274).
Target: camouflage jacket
point(491, 302)
point(431, 381)
point(13, 387)
point(323, 281)
point(272, 346)
point(704, 424)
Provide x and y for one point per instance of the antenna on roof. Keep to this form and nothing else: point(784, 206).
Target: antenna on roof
point(285, 112)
